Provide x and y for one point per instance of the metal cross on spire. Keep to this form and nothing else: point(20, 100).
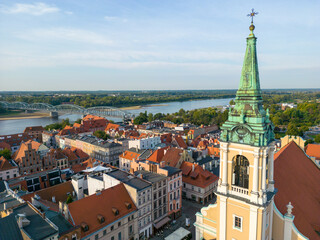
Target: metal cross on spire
point(252, 14)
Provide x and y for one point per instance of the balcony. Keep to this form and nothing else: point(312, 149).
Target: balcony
point(239, 191)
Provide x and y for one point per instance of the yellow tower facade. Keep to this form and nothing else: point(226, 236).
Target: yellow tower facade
point(245, 194)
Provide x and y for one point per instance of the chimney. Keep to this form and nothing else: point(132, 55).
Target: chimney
point(5, 206)
point(61, 208)
point(192, 167)
point(162, 164)
point(53, 199)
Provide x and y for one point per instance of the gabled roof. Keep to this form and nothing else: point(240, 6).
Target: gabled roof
point(172, 156)
point(112, 126)
point(74, 153)
point(157, 155)
point(34, 128)
point(297, 179)
point(86, 210)
point(313, 150)
point(5, 164)
point(92, 117)
point(76, 168)
point(20, 153)
point(4, 145)
point(59, 191)
point(129, 155)
point(196, 175)
point(9, 229)
point(180, 142)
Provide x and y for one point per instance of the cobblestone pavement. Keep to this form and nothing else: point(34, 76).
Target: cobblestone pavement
point(189, 208)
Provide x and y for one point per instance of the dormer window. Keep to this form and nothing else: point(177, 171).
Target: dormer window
point(115, 211)
point(84, 227)
point(128, 205)
point(100, 218)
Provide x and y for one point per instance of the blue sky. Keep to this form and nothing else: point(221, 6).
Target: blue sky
point(152, 44)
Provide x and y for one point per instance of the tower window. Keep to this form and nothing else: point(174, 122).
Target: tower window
point(240, 171)
point(237, 223)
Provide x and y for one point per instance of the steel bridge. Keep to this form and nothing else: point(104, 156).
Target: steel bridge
point(102, 111)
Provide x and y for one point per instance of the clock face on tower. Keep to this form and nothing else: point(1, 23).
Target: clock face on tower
point(241, 131)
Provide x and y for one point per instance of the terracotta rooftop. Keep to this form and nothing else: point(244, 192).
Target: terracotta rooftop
point(313, 150)
point(34, 128)
point(83, 166)
point(4, 145)
point(157, 155)
point(20, 153)
point(112, 126)
point(297, 179)
point(130, 155)
point(172, 156)
point(92, 117)
point(59, 191)
point(5, 164)
point(106, 204)
point(197, 176)
point(74, 153)
point(181, 143)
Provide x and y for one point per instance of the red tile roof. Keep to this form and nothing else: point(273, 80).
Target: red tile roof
point(86, 210)
point(157, 155)
point(5, 164)
point(4, 145)
point(172, 156)
point(166, 138)
point(297, 179)
point(181, 143)
point(74, 154)
point(111, 126)
point(59, 191)
point(34, 128)
point(83, 166)
point(313, 150)
point(197, 177)
point(20, 153)
point(130, 155)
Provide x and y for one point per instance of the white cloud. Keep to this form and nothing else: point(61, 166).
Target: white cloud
point(66, 34)
point(68, 12)
point(35, 9)
point(115, 19)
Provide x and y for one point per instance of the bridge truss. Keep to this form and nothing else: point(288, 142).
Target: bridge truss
point(102, 111)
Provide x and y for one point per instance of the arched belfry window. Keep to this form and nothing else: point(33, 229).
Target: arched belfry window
point(240, 176)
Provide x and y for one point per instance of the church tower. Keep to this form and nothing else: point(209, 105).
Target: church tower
point(246, 188)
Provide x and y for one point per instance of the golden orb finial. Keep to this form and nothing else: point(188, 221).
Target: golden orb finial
point(252, 27)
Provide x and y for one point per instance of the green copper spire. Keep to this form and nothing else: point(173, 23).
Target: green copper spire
point(248, 122)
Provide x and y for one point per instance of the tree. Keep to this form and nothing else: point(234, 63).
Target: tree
point(293, 130)
point(6, 153)
point(308, 141)
point(317, 138)
point(141, 118)
point(232, 102)
point(69, 199)
point(150, 117)
point(78, 121)
point(101, 134)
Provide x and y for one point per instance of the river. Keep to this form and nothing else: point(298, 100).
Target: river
point(18, 125)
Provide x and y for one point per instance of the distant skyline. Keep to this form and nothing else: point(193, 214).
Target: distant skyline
point(155, 45)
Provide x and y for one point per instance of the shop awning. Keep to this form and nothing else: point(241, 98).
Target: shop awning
point(161, 222)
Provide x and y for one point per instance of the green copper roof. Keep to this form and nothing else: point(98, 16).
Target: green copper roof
point(248, 122)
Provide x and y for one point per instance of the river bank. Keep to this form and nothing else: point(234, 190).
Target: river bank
point(22, 115)
point(18, 124)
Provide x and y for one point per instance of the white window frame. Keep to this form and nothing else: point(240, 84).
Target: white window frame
point(234, 223)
